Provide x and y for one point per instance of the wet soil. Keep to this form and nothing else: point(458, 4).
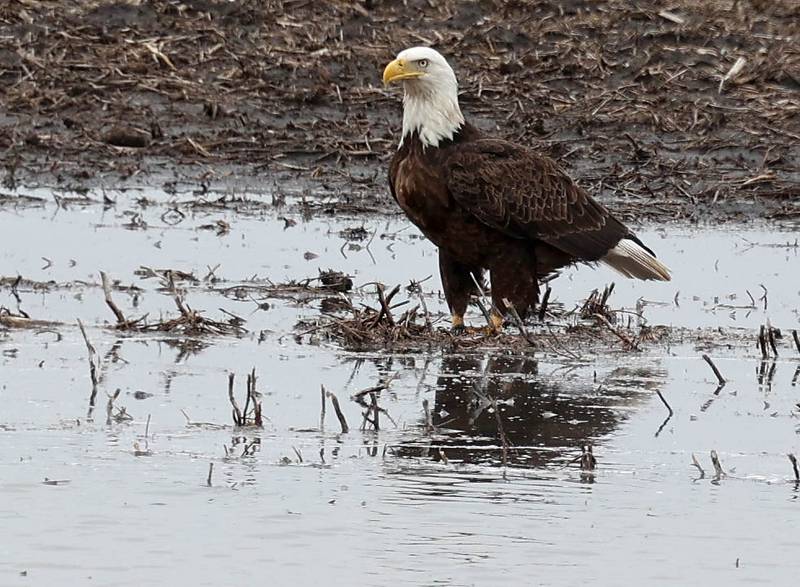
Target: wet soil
point(645, 106)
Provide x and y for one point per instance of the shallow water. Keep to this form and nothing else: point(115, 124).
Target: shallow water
point(369, 508)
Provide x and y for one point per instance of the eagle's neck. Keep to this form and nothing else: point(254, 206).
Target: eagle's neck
point(433, 113)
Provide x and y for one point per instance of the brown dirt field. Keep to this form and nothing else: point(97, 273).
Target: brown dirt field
point(285, 96)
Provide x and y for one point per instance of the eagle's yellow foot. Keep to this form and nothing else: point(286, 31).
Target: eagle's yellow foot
point(458, 327)
point(496, 326)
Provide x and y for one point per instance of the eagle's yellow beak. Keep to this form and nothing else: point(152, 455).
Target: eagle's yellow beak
point(399, 70)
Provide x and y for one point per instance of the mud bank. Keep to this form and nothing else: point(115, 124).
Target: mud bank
point(643, 105)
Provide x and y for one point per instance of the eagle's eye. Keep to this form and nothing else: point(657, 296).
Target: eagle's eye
point(423, 63)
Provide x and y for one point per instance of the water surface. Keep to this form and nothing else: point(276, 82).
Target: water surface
point(83, 501)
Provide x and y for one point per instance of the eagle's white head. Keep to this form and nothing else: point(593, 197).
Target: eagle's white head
point(430, 103)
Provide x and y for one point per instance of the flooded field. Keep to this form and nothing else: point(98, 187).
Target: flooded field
point(483, 486)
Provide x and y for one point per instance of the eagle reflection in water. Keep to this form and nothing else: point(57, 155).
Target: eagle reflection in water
point(546, 419)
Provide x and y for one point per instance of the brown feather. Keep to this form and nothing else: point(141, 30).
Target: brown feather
point(526, 195)
point(491, 204)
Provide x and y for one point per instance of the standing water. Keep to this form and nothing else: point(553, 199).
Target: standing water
point(474, 475)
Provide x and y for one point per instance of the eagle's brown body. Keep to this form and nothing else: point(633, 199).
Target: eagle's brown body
point(488, 204)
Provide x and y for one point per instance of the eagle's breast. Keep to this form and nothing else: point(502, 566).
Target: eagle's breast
point(422, 194)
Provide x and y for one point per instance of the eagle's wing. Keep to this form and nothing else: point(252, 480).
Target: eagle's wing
point(526, 195)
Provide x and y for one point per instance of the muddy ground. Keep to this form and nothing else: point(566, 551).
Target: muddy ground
point(644, 104)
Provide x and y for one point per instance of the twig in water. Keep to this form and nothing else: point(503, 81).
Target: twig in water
point(109, 301)
point(796, 340)
point(428, 417)
point(375, 411)
point(210, 472)
point(664, 401)
point(771, 332)
point(762, 342)
point(719, 473)
point(372, 409)
point(479, 301)
point(298, 453)
point(237, 413)
point(699, 468)
point(588, 461)
point(794, 466)
point(416, 286)
point(322, 411)
point(94, 363)
point(764, 375)
point(561, 350)
point(122, 322)
point(257, 404)
point(339, 414)
point(597, 303)
point(385, 301)
point(176, 296)
point(122, 415)
point(250, 449)
point(632, 344)
point(518, 321)
point(210, 425)
point(247, 397)
point(669, 408)
point(502, 433)
point(248, 417)
point(711, 364)
point(543, 304)
point(14, 291)
point(252, 396)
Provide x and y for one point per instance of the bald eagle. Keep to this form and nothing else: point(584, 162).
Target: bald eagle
point(490, 204)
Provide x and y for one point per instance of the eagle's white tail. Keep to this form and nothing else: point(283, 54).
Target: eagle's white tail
point(632, 260)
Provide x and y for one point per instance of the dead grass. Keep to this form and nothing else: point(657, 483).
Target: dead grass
point(399, 321)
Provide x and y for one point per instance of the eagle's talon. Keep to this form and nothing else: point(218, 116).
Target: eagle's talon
point(457, 327)
point(492, 331)
point(495, 327)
